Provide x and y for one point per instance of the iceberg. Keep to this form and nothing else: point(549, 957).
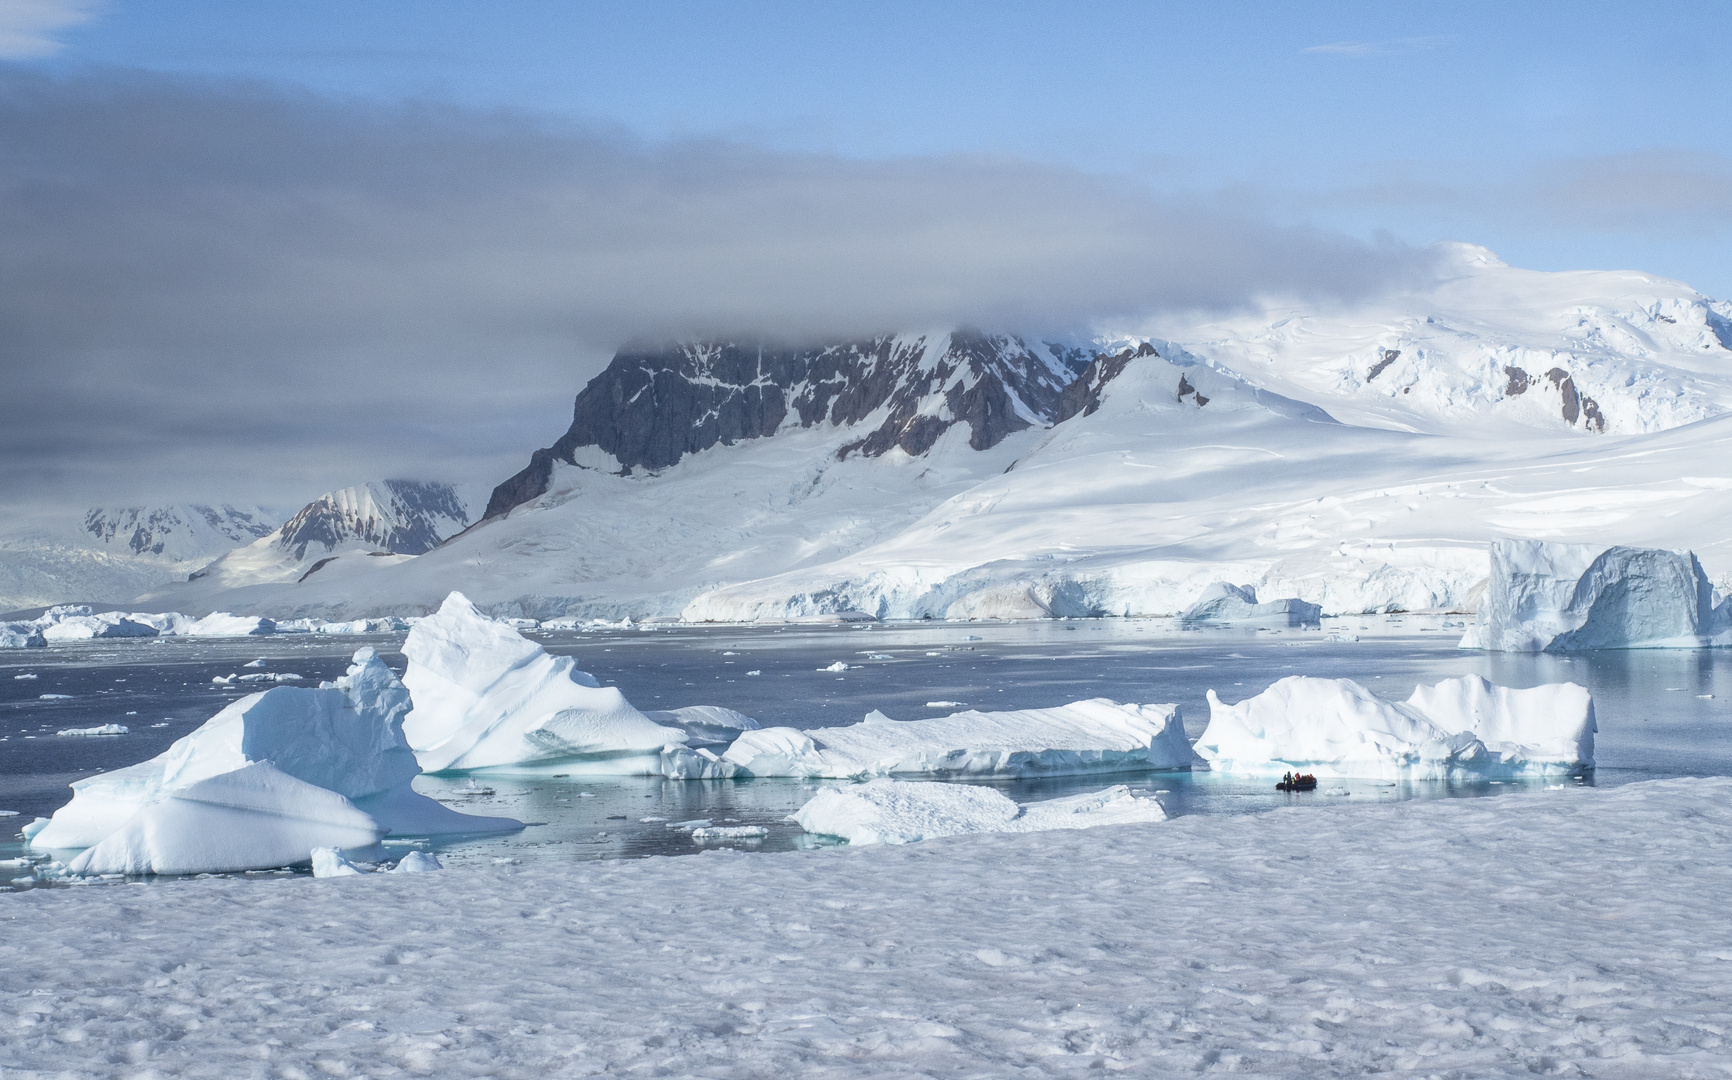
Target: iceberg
point(86, 627)
point(223, 624)
point(344, 738)
point(252, 818)
point(21, 636)
point(1083, 737)
point(487, 697)
point(705, 724)
point(886, 811)
point(1223, 602)
point(1546, 597)
point(1464, 726)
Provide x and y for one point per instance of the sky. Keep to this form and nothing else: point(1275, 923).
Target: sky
point(250, 252)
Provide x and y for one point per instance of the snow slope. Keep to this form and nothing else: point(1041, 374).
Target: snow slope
point(1577, 932)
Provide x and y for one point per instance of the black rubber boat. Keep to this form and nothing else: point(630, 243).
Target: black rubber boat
point(1297, 782)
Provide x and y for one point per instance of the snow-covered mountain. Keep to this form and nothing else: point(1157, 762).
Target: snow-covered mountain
point(115, 553)
point(353, 530)
point(1358, 458)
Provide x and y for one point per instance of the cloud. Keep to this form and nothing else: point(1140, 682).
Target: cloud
point(28, 27)
point(1379, 48)
point(225, 291)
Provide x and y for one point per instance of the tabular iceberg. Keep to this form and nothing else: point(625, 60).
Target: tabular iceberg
point(1223, 602)
point(283, 751)
point(1546, 597)
point(1336, 727)
point(1085, 736)
point(887, 811)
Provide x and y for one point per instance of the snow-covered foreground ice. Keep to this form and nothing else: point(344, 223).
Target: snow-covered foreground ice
point(1084, 736)
point(1337, 727)
point(886, 811)
point(1447, 938)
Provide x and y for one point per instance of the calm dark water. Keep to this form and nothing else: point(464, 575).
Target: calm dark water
point(1656, 718)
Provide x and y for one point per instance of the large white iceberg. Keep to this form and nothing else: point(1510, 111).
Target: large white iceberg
point(251, 818)
point(487, 697)
point(21, 636)
point(1546, 597)
point(344, 738)
point(88, 627)
point(1336, 727)
point(1224, 602)
point(885, 811)
point(1085, 736)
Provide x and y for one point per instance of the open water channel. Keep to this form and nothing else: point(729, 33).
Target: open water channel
point(1661, 713)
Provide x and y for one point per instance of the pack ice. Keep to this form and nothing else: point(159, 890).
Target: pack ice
point(885, 811)
point(1336, 727)
point(1224, 602)
point(487, 697)
point(261, 784)
point(1548, 597)
point(1085, 736)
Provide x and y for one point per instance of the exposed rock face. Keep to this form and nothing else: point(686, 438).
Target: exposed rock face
point(178, 531)
point(403, 517)
point(1390, 356)
point(1574, 405)
point(1083, 397)
point(653, 406)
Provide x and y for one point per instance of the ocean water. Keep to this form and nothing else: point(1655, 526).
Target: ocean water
point(1661, 713)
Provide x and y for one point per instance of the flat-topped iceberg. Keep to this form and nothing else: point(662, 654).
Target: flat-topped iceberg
point(1085, 736)
point(1225, 603)
point(1338, 728)
point(887, 811)
point(1545, 597)
point(344, 739)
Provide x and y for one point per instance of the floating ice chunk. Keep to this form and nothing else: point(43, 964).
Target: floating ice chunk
point(729, 832)
point(417, 862)
point(1545, 597)
point(1223, 602)
point(839, 665)
point(254, 663)
point(223, 624)
point(485, 697)
point(946, 704)
point(105, 729)
point(26, 675)
point(1084, 736)
point(329, 862)
point(347, 738)
point(252, 818)
point(21, 636)
point(1336, 727)
point(885, 811)
point(270, 676)
point(53, 697)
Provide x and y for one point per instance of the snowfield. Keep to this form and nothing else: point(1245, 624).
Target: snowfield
point(1579, 932)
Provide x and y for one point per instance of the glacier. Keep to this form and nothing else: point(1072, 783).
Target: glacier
point(1551, 597)
point(1463, 726)
point(887, 811)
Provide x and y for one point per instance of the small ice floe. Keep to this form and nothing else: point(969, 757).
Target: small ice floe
point(1341, 637)
point(729, 832)
point(586, 794)
point(879, 656)
point(972, 637)
point(651, 820)
point(105, 729)
point(26, 675)
point(1706, 697)
point(941, 654)
point(417, 862)
point(329, 862)
point(947, 704)
point(886, 811)
point(8, 813)
point(254, 663)
point(695, 823)
point(754, 672)
point(54, 697)
point(839, 665)
point(271, 676)
point(224, 680)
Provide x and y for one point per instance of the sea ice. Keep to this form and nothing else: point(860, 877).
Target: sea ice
point(1223, 602)
point(1546, 597)
point(105, 729)
point(885, 811)
point(345, 737)
point(251, 818)
point(1085, 736)
point(1336, 727)
point(486, 697)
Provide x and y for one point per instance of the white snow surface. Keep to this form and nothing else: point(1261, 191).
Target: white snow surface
point(1085, 736)
point(344, 738)
point(1338, 728)
point(1548, 597)
point(885, 811)
point(1451, 938)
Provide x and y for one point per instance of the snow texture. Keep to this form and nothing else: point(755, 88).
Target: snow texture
point(1222, 602)
point(1083, 737)
point(1453, 938)
point(1550, 597)
point(344, 738)
point(1338, 728)
point(885, 811)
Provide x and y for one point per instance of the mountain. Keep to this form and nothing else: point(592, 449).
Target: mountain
point(362, 528)
point(1357, 456)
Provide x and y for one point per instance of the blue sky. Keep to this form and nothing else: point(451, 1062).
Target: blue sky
point(254, 251)
point(1562, 135)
